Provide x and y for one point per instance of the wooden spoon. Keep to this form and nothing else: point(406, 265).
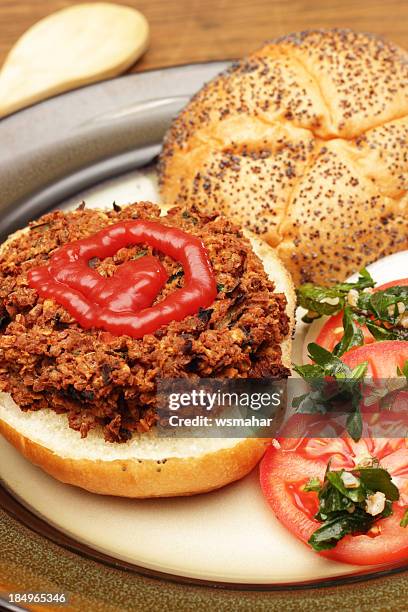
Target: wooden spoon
point(78, 45)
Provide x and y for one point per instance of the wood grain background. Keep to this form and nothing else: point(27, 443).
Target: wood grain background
point(185, 31)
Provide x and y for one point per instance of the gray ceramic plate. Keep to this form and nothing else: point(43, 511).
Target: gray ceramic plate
point(52, 152)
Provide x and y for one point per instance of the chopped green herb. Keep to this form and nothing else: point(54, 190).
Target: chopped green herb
point(334, 529)
point(140, 254)
point(313, 484)
point(404, 520)
point(380, 311)
point(351, 502)
point(310, 316)
point(220, 287)
point(404, 370)
point(325, 396)
point(330, 300)
point(353, 335)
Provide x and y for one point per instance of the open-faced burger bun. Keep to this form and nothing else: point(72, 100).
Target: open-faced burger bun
point(305, 143)
point(145, 466)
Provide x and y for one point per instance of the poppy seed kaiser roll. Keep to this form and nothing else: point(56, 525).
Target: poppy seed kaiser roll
point(305, 143)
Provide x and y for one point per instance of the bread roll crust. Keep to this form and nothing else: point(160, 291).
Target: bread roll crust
point(305, 143)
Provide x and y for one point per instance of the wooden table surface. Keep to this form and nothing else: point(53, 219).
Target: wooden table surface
point(185, 31)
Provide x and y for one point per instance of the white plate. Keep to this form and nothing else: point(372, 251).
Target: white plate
point(229, 535)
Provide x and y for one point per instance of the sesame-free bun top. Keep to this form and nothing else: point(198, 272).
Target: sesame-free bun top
point(305, 143)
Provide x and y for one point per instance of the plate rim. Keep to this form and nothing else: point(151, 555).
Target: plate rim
point(18, 511)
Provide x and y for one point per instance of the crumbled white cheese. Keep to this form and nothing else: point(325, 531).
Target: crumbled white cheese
point(403, 320)
point(401, 307)
point(364, 461)
point(331, 301)
point(350, 481)
point(375, 503)
point(352, 297)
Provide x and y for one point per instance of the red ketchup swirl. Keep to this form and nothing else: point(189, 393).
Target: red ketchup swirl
point(122, 304)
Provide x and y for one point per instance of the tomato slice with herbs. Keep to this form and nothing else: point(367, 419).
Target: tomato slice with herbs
point(287, 467)
point(332, 331)
point(285, 471)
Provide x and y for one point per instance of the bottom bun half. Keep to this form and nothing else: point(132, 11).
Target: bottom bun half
point(146, 465)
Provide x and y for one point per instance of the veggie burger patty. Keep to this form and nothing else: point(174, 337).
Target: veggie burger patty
point(48, 361)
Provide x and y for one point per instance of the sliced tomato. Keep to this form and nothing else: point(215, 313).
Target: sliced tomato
point(403, 282)
point(284, 471)
point(383, 357)
point(332, 331)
